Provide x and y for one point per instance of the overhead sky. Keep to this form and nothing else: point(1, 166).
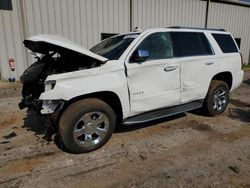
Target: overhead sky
point(246, 1)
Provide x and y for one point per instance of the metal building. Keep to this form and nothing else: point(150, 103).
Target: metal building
point(85, 21)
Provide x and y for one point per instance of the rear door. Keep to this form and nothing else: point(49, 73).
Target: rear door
point(198, 64)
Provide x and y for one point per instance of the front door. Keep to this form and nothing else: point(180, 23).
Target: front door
point(155, 81)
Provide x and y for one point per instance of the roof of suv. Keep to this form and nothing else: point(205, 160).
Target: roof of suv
point(196, 28)
point(179, 28)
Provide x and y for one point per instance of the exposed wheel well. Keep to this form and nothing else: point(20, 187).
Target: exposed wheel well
point(109, 97)
point(226, 77)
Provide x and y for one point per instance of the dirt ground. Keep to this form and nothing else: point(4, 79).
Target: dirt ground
point(187, 150)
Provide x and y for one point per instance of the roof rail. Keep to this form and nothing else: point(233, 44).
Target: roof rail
point(210, 29)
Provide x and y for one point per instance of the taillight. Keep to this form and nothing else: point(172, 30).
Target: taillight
point(241, 60)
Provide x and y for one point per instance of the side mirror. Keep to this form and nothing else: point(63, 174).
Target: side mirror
point(140, 55)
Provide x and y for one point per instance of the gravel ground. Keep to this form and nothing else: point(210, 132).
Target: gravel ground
point(187, 150)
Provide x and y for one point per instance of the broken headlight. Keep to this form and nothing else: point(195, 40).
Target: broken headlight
point(49, 85)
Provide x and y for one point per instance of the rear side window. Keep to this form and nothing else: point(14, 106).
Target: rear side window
point(190, 44)
point(225, 42)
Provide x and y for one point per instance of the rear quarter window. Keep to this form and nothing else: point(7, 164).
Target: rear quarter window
point(226, 43)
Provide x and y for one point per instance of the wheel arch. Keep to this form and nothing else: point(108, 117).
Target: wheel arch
point(224, 76)
point(109, 97)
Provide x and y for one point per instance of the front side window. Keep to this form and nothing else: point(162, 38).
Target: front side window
point(190, 44)
point(158, 46)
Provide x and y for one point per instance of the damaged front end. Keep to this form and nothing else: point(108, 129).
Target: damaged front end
point(33, 85)
point(33, 80)
point(57, 55)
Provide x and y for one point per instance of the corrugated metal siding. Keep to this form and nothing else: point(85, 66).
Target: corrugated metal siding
point(79, 20)
point(163, 13)
point(11, 37)
point(235, 19)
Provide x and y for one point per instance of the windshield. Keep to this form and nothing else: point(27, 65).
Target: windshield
point(113, 47)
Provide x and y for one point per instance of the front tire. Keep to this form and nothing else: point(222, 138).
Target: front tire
point(217, 98)
point(86, 125)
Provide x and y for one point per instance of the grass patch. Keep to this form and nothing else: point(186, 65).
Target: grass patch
point(246, 65)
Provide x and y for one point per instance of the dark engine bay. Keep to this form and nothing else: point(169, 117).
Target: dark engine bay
point(50, 63)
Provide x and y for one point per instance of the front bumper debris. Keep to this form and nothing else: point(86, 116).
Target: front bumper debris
point(50, 106)
point(30, 103)
point(41, 106)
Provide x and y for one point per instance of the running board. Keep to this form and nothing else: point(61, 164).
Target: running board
point(162, 113)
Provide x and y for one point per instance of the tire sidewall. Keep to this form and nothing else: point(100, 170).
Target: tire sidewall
point(210, 96)
point(66, 128)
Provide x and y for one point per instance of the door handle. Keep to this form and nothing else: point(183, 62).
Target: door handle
point(170, 68)
point(209, 63)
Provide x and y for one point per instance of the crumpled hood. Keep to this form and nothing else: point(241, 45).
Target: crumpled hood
point(45, 43)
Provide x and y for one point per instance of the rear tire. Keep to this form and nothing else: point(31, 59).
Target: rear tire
point(86, 125)
point(217, 98)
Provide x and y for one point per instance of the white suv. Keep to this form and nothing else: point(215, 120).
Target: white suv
point(128, 79)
